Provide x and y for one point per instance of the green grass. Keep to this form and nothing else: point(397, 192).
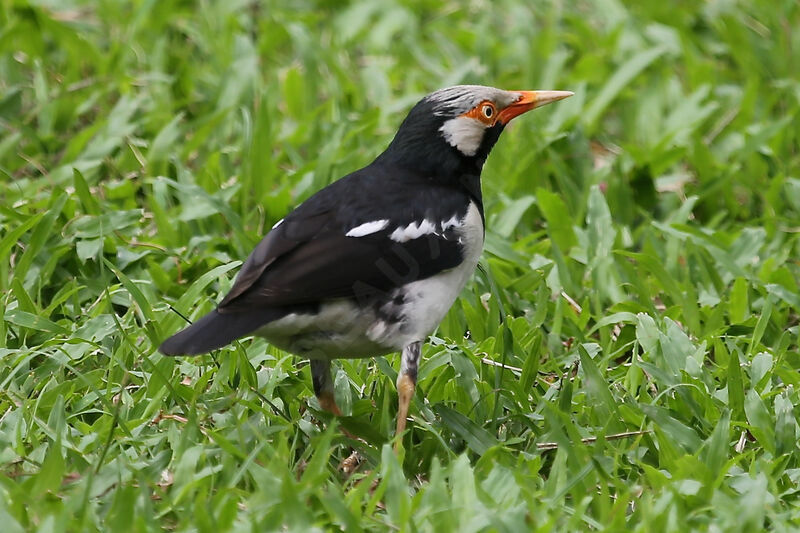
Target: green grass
point(640, 274)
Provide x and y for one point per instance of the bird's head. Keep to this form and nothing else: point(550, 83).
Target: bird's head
point(454, 129)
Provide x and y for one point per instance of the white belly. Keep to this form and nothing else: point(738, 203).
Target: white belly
point(337, 330)
point(427, 301)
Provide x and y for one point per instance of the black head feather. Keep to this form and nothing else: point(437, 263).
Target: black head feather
point(420, 145)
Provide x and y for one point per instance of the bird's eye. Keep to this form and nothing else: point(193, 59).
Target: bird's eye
point(488, 111)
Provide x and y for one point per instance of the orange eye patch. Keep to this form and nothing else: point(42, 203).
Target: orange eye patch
point(485, 112)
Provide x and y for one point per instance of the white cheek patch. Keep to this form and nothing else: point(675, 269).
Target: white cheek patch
point(464, 133)
point(368, 228)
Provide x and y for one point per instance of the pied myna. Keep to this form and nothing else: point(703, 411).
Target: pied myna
point(371, 264)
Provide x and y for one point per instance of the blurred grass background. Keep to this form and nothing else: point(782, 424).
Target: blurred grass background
point(640, 273)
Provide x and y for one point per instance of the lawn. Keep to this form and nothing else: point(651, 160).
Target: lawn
point(625, 359)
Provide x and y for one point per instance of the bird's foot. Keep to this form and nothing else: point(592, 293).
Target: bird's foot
point(328, 402)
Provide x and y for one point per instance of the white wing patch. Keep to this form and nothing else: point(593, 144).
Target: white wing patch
point(368, 228)
point(452, 223)
point(415, 230)
point(464, 133)
point(278, 223)
point(412, 231)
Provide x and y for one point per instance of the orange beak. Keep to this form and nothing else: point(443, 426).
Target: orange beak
point(530, 100)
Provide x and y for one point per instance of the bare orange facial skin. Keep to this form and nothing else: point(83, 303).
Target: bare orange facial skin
point(526, 102)
point(485, 112)
point(488, 113)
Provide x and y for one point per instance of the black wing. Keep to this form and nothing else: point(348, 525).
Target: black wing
point(308, 257)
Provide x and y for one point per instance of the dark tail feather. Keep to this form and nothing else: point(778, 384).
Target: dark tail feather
point(215, 330)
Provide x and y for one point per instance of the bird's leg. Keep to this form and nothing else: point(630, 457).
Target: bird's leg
point(323, 389)
point(323, 385)
point(406, 384)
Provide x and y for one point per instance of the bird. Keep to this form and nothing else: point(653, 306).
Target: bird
point(370, 264)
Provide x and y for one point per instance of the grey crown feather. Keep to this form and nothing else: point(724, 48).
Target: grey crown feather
point(461, 98)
